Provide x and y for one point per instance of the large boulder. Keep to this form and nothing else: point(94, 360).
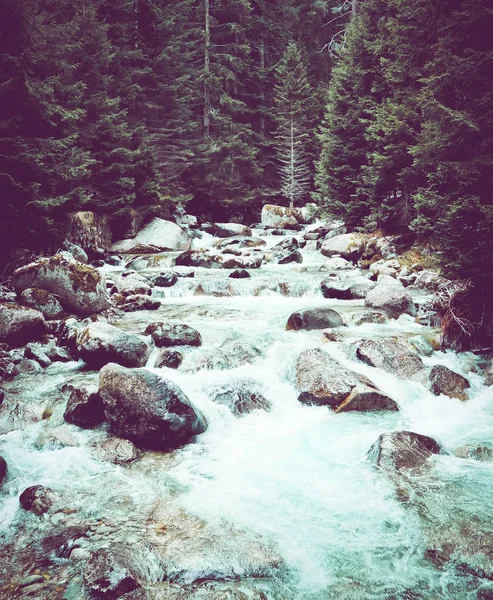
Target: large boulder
point(403, 450)
point(445, 381)
point(348, 245)
point(89, 231)
point(173, 334)
point(314, 318)
point(43, 301)
point(102, 343)
point(391, 355)
point(80, 288)
point(336, 263)
point(147, 409)
point(280, 217)
point(335, 289)
point(391, 296)
point(130, 284)
point(161, 234)
point(227, 230)
point(19, 325)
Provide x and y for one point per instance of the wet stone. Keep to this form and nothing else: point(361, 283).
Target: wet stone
point(38, 499)
point(445, 381)
point(170, 359)
point(107, 576)
point(169, 334)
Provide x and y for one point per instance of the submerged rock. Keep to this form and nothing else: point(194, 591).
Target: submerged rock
point(479, 452)
point(403, 450)
point(79, 287)
point(241, 396)
point(102, 343)
point(218, 288)
point(107, 576)
point(19, 325)
point(170, 359)
point(314, 318)
point(43, 301)
point(370, 316)
point(147, 409)
point(118, 451)
point(38, 499)
point(170, 334)
point(445, 381)
point(391, 355)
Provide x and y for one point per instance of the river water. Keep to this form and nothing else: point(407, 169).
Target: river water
point(284, 498)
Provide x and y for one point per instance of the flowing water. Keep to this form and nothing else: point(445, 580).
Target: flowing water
point(291, 486)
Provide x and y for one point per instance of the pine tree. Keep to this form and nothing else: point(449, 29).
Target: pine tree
point(296, 113)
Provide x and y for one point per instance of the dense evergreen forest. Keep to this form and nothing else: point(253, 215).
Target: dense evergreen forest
point(114, 106)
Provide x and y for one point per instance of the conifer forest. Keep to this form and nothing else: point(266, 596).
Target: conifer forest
point(246, 299)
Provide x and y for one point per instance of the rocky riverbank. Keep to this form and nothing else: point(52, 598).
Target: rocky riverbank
point(187, 414)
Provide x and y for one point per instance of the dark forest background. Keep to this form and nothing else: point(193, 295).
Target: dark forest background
point(379, 110)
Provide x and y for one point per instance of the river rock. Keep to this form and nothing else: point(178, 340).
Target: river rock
point(391, 355)
point(38, 499)
point(403, 450)
point(134, 247)
point(37, 353)
point(7, 296)
point(214, 260)
point(241, 396)
point(284, 258)
point(239, 274)
point(349, 246)
point(101, 343)
point(288, 244)
point(170, 359)
point(280, 217)
point(385, 267)
point(147, 409)
point(370, 316)
point(118, 451)
point(227, 230)
point(131, 284)
point(391, 296)
point(239, 242)
point(367, 399)
point(429, 280)
point(137, 302)
point(107, 576)
point(361, 288)
point(421, 345)
point(3, 469)
point(335, 289)
point(160, 234)
point(217, 288)
point(323, 381)
point(336, 263)
point(80, 288)
point(84, 408)
point(445, 381)
point(43, 301)
point(19, 325)
point(479, 452)
point(169, 334)
point(54, 438)
point(314, 318)
point(165, 279)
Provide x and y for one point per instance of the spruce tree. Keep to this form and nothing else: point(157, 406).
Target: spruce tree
point(296, 113)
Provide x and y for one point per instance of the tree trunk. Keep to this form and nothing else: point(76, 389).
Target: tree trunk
point(262, 95)
point(207, 100)
point(291, 191)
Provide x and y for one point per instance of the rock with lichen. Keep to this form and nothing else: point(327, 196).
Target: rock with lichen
point(79, 287)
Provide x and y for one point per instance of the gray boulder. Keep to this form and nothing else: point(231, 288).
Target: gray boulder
point(227, 230)
point(391, 296)
point(131, 284)
point(19, 325)
point(84, 408)
point(348, 245)
point(159, 234)
point(403, 450)
point(147, 409)
point(101, 343)
point(170, 334)
point(280, 217)
point(314, 318)
point(391, 355)
point(43, 301)
point(241, 396)
point(336, 263)
point(445, 381)
point(80, 288)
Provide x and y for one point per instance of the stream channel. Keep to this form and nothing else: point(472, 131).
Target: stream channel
point(274, 504)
